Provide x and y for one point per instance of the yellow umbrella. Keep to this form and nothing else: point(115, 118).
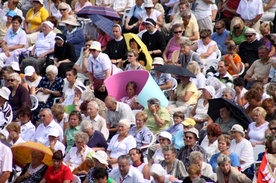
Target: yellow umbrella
point(129, 36)
point(22, 153)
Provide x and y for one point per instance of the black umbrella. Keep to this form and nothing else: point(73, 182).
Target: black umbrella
point(237, 111)
point(173, 69)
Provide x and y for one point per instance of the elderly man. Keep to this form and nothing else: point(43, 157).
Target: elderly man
point(158, 116)
point(248, 50)
point(115, 112)
point(190, 138)
point(222, 74)
point(98, 121)
point(47, 125)
point(259, 70)
point(5, 162)
point(190, 25)
point(125, 173)
point(153, 39)
point(220, 36)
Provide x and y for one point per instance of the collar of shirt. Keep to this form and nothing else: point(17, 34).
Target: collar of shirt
point(120, 39)
point(14, 34)
point(96, 118)
point(153, 32)
point(72, 31)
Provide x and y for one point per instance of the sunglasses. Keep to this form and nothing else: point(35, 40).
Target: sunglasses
point(188, 137)
point(147, 8)
point(218, 28)
point(93, 50)
point(130, 56)
point(236, 27)
point(10, 80)
point(177, 32)
point(272, 128)
point(248, 35)
point(62, 9)
point(202, 37)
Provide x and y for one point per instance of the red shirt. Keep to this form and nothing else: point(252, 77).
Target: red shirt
point(232, 4)
point(64, 173)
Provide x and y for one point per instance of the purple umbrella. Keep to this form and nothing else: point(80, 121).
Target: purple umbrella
point(98, 10)
point(103, 23)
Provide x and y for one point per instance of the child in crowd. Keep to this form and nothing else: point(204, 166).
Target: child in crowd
point(233, 59)
point(178, 117)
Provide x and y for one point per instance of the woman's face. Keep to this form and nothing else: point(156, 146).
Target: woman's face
point(177, 32)
point(63, 12)
point(9, 19)
point(23, 118)
point(13, 134)
point(36, 158)
point(12, 82)
point(163, 141)
point(185, 49)
point(140, 122)
point(45, 29)
point(205, 39)
point(206, 94)
point(90, 162)
point(236, 135)
point(211, 136)
point(258, 118)
point(70, 76)
point(265, 32)
point(237, 27)
point(226, 167)
point(269, 109)
point(74, 120)
point(169, 156)
point(57, 164)
point(273, 129)
point(222, 146)
point(59, 42)
point(79, 144)
point(227, 95)
point(133, 45)
point(123, 129)
point(134, 156)
point(131, 57)
point(51, 76)
point(148, 10)
point(130, 91)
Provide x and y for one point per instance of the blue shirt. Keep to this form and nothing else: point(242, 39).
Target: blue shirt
point(137, 11)
point(175, 128)
point(178, 139)
point(220, 39)
point(233, 157)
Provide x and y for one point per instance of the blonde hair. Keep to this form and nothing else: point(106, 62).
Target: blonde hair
point(236, 21)
point(259, 111)
point(194, 67)
point(265, 26)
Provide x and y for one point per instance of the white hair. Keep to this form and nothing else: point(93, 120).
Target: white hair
point(125, 122)
point(53, 69)
point(86, 124)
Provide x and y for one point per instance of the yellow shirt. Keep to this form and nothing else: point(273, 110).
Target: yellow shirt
point(3, 29)
point(190, 87)
point(35, 20)
point(191, 28)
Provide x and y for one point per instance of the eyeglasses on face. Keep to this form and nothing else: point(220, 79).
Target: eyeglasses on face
point(177, 32)
point(130, 56)
point(10, 80)
point(247, 36)
point(62, 9)
point(271, 129)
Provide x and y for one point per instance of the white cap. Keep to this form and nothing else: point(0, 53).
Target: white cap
point(54, 132)
point(15, 66)
point(96, 45)
point(29, 70)
point(237, 128)
point(194, 131)
point(101, 156)
point(5, 93)
point(157, 169)
point(166, 135)
point(158, 60)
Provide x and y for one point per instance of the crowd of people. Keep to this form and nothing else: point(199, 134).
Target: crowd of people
point(53, 92)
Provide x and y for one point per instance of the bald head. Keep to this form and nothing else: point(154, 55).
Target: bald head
point(110, 103)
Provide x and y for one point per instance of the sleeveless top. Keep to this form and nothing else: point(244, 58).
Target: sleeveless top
point(172, 48)
point(201, 110)
point(201, 48)
point(140, 167)
point(257, 134)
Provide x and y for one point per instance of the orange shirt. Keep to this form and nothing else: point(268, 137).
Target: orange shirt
point(237, 59)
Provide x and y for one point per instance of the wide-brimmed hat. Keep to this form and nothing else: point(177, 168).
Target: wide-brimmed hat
point(189, 122)
point(101, 156)
point(194, 131)
point(211, 90)
point(237, 128)
point(166, 135)
point(96, 45)
point(5, 93)
point(71, 21)
point(40, 1)
point(29, 70)
point(157, 169)
point(148, 4)
point(158, 61)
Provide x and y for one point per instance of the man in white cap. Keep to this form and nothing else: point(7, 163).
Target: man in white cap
point(54, 144)
point(31, 78)
point(190, 138)
point(259, 70)
point(125, 172)
point(242, 147)
point(248, 50)
point(6, 114)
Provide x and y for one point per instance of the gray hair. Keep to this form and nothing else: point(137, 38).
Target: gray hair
point(231, 91)
point(125, 157)
point(94, 104)
point(86, 124)
point(194, 67)
point(270, 89)
point(47, 110)
point(82, 136)
point(195, 155)
point(53, 69)
point(199, 180)
point(125, 122)
point(186, 13)
point(153, 101)
point(87, 95)
point(15, 76)
point(169, 148)
point(222, 159)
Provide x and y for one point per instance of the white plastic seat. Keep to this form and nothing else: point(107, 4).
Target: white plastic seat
point(218, 52)
point(211, 63)
point(257, 150)
point(34, 101)
point(241, 72)
point(151, 143)
point(76, 179)
point(125, 14)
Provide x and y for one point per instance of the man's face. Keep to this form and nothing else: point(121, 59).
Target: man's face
point(263, 54)
point(45, 117)
point(92, 111)
point(219, 28)
point(182, 8)
point(189, 139)
point(250, 37)
point(222, 69)
point(123, 167)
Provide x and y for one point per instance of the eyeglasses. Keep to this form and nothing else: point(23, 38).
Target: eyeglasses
point(93, 50)
point(247, 36)
point(236, 28)
point(62, 9)
point(203, 37)
point(218, 28)
point(272, 128)
point(188, 137)
point(130, 56)
point(42, 115)
point(177, 32)
point(10, 80)
point(88, 45)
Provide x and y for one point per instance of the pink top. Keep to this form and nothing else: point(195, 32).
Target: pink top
point(103, 39)
point(78, 6)
point(172, 47)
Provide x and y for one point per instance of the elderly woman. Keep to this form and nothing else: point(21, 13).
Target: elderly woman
point(77, 154)
point(242, 147)
point(120, 143)
point(132, 58)
point(228, 93)
point(34, 171)
point(186, 94)
point(50, 85)
point(97, 75)
point(199, 112)
point(269, 106)
point(190, 25)
point(140, 132)
point(254, 99)
point(85, 166)
point(237, 34)
point(64, 55)
point(227, 173)
point(159, 175)
point(171, 164)
point(14, 40)
point(200, 79)
point(14, 131)
point(34, 18)
point(74, 34)
point(224, 143)
point(173, 43)
point(27, 128)
point(4, 26)
point(194, 172)
point(58, 166)
point(163, 80)
point(196, 158)
point(257, 129)
point(58, 6)
point(60, 116)
point(44, 45)
point(164, 139)
point(137, 158)
point(19, 96)
point(210, 141)
point(96, 138)
point(206, 47)
point(74, 122)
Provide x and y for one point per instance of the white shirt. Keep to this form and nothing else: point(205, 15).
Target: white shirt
point(100, 65)
point(244, 150)
point(122, 4)
point(206, 170)
point(19, 140)
point(133, 176)
point(42, 131)
point(202, 9)
point(257, 134)
point(154, 14)
point(44, 43)
point(70, 91)
point(12, 39)
point(250, 9)
point(5, 158)
point(99, 124)
point(210, 149)
point(117, 148)
point(34, 83)
point(27, 131)
point(158, 155)
point(59, 146)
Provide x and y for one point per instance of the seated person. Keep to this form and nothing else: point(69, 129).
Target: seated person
point(152, 13)
point(159, 173)
point(220, 36)
point(199, 79)
point(132, 61)
point(163, 80)
point(190, 26)
point(233, 59)
point(5, 25)
point(267, 38)
point(158, 116)
point(31, 78)
point(178, 118)
point(131, 99)
point(228, 93)
point(194, 172)
point(119, 6)
point(222, 74)
point(254, 99)
point(60, 116)
point(85, 166)
point(237, 31)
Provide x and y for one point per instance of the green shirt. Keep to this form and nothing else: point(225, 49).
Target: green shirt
point(151, 124)
point(238, 39)
point(69, 135)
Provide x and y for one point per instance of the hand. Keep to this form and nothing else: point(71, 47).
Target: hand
point(238, 90)
point(246, 65)
point(230, 57)
point(7, 53)
point(82, 150)
point(26, 175)
point(102, 88)
point(57, 64)
point(46, 91)
point(86, 52)
point(152, 108)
